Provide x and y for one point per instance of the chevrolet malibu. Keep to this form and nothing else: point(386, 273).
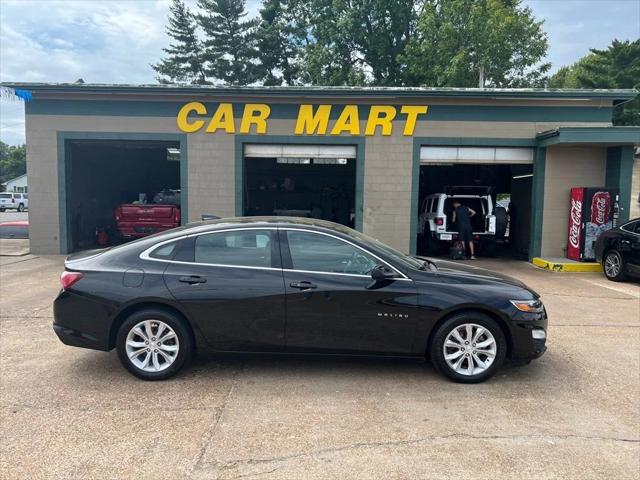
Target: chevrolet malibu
point(275, 285)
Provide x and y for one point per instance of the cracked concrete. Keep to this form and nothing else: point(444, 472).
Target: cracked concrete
point(76, 414)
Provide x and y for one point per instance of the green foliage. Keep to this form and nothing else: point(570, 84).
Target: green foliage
point(360, 42)
point(13, 161)
point(230, 43)
point(279, 38)
point(616, 67)
point(458, 41)
point(185, 60)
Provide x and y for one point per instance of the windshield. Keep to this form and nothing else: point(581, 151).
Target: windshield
point(402, 258)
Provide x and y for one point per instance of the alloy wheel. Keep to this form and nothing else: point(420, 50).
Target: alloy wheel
point(469, 349)
point(612, 265)
point(152, 345)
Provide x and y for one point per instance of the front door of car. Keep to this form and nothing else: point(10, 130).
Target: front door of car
point(230, 284)
point(333, 305)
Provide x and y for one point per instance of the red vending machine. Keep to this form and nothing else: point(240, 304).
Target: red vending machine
point(592, 211)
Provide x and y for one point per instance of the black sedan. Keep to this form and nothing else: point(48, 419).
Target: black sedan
point(289, 285)
point(618, 250)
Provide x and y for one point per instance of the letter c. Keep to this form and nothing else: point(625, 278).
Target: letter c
point(183, 117)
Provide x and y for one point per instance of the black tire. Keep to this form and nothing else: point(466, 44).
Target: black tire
point(2, 210)
point(436, 349)
point(502, 220)
point(614, 255)
point(183, 333)
point(21, 207)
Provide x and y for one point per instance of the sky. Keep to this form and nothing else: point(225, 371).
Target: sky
point(115, 41)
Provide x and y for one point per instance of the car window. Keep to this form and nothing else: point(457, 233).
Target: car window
point(25, 196)
point(5, 195)
point(164, 252)
point(634, 227)
point(321, 253)
point(243, 248)
point(17, 195)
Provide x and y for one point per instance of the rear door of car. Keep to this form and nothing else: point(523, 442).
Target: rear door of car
point(230, 283)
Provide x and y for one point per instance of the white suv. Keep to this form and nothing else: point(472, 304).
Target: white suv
point(17, 201)
point(435, 224)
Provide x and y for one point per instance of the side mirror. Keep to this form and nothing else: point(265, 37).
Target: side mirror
point(382, 272)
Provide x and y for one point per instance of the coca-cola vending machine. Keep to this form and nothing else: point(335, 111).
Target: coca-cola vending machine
point(592, 211)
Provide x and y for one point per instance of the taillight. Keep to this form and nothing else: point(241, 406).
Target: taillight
point(439, 221)
point(67, 279)
point(177, 216)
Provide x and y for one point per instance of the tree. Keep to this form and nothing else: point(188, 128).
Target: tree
point(13, 161)
point(230, 49)
point(185, 59)
point(467, 43)
point(358, 41)
point(616, 67)
point(279, 38)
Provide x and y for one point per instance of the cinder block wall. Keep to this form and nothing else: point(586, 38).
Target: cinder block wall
point(567, 167)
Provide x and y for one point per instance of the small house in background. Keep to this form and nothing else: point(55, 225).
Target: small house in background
point(17, 185)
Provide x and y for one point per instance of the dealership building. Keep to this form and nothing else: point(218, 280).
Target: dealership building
point(364, 157)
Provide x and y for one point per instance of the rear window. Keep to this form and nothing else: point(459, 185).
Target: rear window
point(245, 248)
point(165, 252)
point(5, 195)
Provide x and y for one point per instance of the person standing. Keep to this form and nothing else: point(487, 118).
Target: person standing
point(462, 218)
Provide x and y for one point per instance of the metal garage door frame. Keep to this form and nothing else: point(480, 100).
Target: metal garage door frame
point(64, 164)
point(537, 195)
point(358, 142)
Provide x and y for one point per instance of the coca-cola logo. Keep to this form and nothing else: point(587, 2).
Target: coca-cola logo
point(576, 221)
point(600, 208)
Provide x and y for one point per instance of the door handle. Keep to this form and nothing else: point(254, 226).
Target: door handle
point(303, 285)
point(192, 279)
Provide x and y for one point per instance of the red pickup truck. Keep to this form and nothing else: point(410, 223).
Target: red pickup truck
point(140, 220)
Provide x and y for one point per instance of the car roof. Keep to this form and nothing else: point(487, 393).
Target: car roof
point(266, 221)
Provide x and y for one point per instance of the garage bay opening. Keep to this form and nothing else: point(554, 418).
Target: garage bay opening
point(495, 182)
point(121, 190)
point(317, 181)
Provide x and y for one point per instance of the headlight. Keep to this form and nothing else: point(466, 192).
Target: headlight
point(529, 306)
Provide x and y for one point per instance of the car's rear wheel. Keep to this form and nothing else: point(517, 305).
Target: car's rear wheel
point(613, 266)
point(154, 344)
point(21, 207)
point(468, 347)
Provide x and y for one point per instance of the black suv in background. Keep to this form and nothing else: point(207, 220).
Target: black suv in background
point(618, 250)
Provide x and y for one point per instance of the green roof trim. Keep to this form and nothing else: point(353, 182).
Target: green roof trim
point(619, 95)
point(590, 135)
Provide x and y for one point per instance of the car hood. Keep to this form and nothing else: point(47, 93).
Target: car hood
point(477, 274)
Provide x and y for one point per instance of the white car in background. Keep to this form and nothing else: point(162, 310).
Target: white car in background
point(14, 201)
point(435, 226)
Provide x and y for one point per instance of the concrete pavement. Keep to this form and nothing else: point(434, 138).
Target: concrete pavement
point(76, 414)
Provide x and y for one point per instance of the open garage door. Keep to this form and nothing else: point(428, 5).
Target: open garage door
point(107, 179)
point(317, 181)
point(507, 172)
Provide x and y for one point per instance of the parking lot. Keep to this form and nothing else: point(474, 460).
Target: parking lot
point(76, 414)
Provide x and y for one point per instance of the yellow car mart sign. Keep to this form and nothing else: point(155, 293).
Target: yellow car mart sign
point(193, 117)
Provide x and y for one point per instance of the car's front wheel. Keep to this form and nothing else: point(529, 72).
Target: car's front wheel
point(154, 344)
point(468, 347)
point(613, 266)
